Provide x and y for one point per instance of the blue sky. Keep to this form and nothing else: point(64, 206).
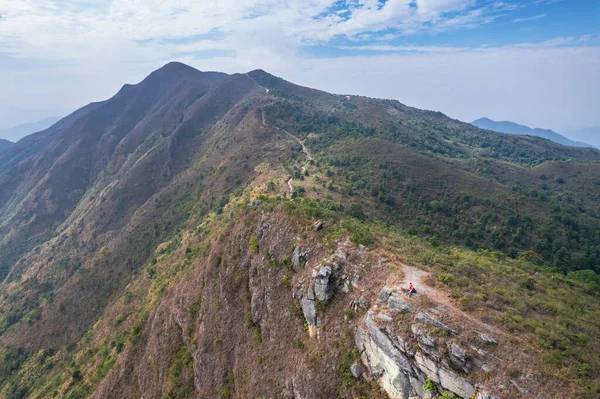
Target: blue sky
point(535, 62)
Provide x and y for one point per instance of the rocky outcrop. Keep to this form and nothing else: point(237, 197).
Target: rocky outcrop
point(299, 258)
point(309, 311)
point(396, 302)
point(427, 319)
point(458, 356)
point(322, 287)
point(385, 362)
point(318, 226)
point(400, 369)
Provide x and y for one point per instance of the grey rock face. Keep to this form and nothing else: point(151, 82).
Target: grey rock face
point(427, 319)
point(426, 342)
point(299, 257)
point(339, 254)
point(458, 356)
point(260, 230)
point(385, 362)
point(310, 312)
point(396, 302)
point(521, 390)
point(257, 305)
point(322, 289)
point(453, 382)
point(428, 366)
point(384, 295)
point(385, 318)
point(486, 338)
point(356, 370)
point(401, 370)
point(363, 302)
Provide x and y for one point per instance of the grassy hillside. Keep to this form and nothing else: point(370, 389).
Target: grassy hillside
point(193, 299)
point(126, 238)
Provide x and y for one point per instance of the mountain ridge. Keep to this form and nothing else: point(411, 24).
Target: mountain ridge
point(590, 134)
point(16, 133)
point(154, 240)
point(515, 128)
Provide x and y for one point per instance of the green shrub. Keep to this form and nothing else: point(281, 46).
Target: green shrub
point(254, 244)
point(181, 374)
point(299, 344)
point(360, 234)
point(430, 386)
point(194, 308)
point(446, 278)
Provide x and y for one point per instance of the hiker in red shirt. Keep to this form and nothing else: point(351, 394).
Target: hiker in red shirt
point(411, 289)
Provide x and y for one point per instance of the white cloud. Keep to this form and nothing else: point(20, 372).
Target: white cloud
point(67, 53)
point(532, 18)
point(442, 6)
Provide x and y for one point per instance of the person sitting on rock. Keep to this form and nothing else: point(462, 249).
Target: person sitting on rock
point(411, 289)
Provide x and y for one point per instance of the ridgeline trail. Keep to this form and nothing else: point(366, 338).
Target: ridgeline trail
point(305, 150)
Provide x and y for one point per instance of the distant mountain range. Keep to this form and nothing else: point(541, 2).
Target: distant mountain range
point(4, 144)
point(515, 128)
point(16, 133)
point(588, 135)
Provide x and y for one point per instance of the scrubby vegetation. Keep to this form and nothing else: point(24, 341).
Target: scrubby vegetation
point(160, 250)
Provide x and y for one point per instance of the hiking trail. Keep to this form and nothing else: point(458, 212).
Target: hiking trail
point(305, 150)
point(417, 277)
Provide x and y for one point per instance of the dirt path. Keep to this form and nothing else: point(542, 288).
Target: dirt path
point(417, 277)
point(305, 149)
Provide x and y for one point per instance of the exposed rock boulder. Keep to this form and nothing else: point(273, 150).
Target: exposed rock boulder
point(427, 366)
point(385, 362)
point(396, 302)
point(356, 370)
point(255, 202)
point(384, 318)
point(453, 382)
point(257, 306)
point(339, 255)
point(427, 319)
point(458, 356)
point(260, 230)
point(486, 338)
point(310, 312)
point(400, 369)
point(322, 288)
point(384, 295)
point(299, 258)
point(426, 342)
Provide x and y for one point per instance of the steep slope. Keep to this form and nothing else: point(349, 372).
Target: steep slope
point(132, 237)
point(514, 128)
point(16, 133)
point(5, 144)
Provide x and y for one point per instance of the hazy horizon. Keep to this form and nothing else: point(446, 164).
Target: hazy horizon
point(533, 63)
